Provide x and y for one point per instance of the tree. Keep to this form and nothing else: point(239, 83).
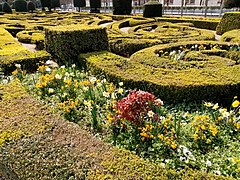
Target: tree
point(231, 3)
point(79, 4)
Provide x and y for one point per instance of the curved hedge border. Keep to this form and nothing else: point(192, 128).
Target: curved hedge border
point(231, 36)
point(189, 80)
point(11, 52)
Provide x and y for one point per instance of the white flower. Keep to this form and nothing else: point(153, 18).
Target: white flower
point(120, 84)
point(150, 113)
point(104, 80)
point(58, 76)
point(67, 74)
point(92, 80)
point(50, 90)
point(85, 88)
point(105, 94)
point(73, 65)
point(48, 69)
point(217, 172)
point(216, 106)
point(64, 95)
point(208, 163)
point(18, 66)
point(99, 84)
point(62, 67)
point(182, 158)
point(162, 118)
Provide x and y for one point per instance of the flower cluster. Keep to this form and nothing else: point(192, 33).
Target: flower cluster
point(137, 106)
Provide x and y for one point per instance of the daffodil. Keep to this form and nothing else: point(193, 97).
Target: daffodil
point(150, 114)
point(235, 103)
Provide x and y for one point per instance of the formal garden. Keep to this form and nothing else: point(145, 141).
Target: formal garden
point(92, 95)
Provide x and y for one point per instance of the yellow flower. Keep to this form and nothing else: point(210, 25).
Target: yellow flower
point(216, 106)
point(213, 130)
point(14, 73)
point(120, 90)
point(203, 127)
point(208, 104)
point(235, 103)
point(160, 136)
point(173, 145)
point(38, 86)
point(195, 136)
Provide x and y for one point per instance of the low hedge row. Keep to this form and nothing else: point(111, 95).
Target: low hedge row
point(173, 81)
point(229, 21)
point(231, 36)
point(66, 42)
point(57, 149)
point(11, 52)
point(31, 37)
point(198, 23)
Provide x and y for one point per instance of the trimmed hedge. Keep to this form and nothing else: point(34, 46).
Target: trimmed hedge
point(31, 37)
point(229, 21)
point(122, 7)
point(11, 52)
point(210, 24)
point(66, 42)
point(231, 36)
point(187, 80)
point(127, 46)
point(31, 6)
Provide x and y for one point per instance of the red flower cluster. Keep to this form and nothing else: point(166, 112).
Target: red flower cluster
point(135, 106)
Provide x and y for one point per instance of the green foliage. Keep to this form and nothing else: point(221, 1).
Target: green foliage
point(0, 7)
point(231, 3)
point(30, 36)
point(152, 9)
point(66, 42)
point(30, 6)
point(122, 7)
point(20, 6)
point(6, 8)
point(46, 3)
point(231, 36)
point(228, 22)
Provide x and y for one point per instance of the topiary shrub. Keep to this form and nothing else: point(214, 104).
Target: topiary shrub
point(46, 3)
point(231, 3)
point(122, 7)
point(6, 8)
point(20, 6)
point(229, 21)
point(79, 4)
point(55, 4)
point(152, 9)
point(31, 6)
point(95, 5)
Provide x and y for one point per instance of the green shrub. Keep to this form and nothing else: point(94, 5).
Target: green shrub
point(31, 6)
point(46, 3)
point(6, 8)
point(20, 5)
point(30, 36)
point(231, 3)
point(67, 42)
point(79, 3)
point(95, 3)
point(231, 36)
point(0, 7)
point(229, 21)
point(172, 78)
point(152, 9)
